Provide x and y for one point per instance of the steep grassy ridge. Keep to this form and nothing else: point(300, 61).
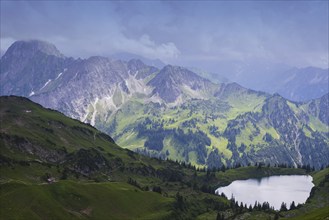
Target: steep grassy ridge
point(241, 127)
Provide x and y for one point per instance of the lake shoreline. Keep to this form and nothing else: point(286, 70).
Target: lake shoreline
point(274, 189)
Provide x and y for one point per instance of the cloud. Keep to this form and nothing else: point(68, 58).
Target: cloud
point(148, 48)
point(94, 29)
point(178, 32)
point(116, 42)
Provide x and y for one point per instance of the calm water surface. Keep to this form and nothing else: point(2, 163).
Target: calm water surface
point(273, 189)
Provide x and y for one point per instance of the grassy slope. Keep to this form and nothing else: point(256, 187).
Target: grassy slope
point(24, 193)
point(23, 190)
point(71, 200)
point(205, 113)
point(133, 113)
point(50, 128)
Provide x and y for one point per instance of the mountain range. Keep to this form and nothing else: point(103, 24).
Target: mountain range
point(172, 112)
point(295, 84)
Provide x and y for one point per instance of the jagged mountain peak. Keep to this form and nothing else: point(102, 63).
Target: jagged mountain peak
point(140, 69)
point(27, 67)
point(29, 48)
point(227, 89)
point(277, 105)
point(102, 65)
point(96, 62)
point(234, 87)
point(171, 69)
point(174, 81)
point(129, 56)
point(179, 75)
point(99, 59)
point(136, 63)
point(319, 108)
point(277, 96)
point(276, 99)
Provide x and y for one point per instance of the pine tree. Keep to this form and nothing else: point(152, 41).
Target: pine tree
point(292, 205)
point(283, 207)
point(241, 208)
point(250, 208)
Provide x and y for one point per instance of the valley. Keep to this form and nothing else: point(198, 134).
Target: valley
point(51, 162)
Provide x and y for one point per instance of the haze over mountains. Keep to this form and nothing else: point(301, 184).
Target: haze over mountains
point(129, 56)
point(173, 112)
point(296, 84)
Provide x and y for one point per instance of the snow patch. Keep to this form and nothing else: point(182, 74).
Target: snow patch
point(92, 122)
point(108, 104)
point(178, 101)
point(155, 99)
point(85, 117)
point(192, 93)
point(59, 75)
point(49, 80)
point(137, 86)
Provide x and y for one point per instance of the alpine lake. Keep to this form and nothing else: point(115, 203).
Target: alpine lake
point(273, 189)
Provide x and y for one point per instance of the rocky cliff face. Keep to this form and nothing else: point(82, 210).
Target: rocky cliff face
point(319, 108)
point(96, 82)
point(171, 112)
point(29, 66)
point(173, 81)
point(79, 87)
point(293, 139)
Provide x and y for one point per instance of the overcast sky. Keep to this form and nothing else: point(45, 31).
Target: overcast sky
point(178, 32)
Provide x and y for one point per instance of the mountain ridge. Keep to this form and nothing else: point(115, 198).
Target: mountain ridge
point(294, 83)
point(174, 113)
